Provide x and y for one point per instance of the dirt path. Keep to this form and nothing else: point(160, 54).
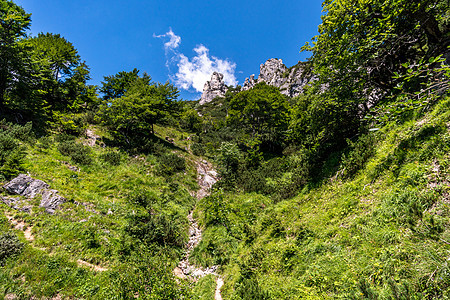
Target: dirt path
point(27, 231)
point(206, 177)
point(22, 226)
point(91, 266)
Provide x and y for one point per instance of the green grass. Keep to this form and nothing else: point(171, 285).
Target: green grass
point(99, 224)
point(383, 233)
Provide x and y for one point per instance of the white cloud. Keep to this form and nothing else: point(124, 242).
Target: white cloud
point(173, 42)
point(194, 72)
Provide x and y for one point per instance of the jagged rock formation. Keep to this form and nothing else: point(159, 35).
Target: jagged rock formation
point(28, 187)
point(216, 87)
point(290, 81)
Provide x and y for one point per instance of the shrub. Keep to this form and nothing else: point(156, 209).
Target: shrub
point(9, 246)
point(228, 162)
point(171, 163)
point(69, 123)
point(198, 149)
point(12, 152)
point(360, 151)
point(152, 227)
point(44, 143)
point(17, 131)
point(80, 154)
point(64, 137)
point(111, 157)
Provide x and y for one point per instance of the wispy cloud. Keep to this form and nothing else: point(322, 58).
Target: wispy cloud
point(192, 73)
point(173, 40)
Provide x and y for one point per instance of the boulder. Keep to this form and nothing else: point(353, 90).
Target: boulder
point(28, 187)
point(18, 185)
point(51, 200)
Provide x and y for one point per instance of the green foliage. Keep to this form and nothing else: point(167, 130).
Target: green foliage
point(417, 90)
point(10, 246)
point(79, 154)
point(115, 86)
point(112, 157)
point(198, 149)
point(151, 224)
point(13, 24)
point(131, 117)
point(70, 124)
point(362, 43)
point(63, 76)
point(228, 162)
point(323, 122)
point(190, 120)
point(171, 163)
point(261, 111)
point(12, 152)
point(358, 154)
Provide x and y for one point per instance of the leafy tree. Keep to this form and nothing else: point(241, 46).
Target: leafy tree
point(115, 86)
point(62, 75)
point(13, 25)
point(131, 118)
point(262, 110)
point(362, 43)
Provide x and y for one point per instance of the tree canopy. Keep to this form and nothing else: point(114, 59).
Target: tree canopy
point(262, 110)
point(115, 86)
point(362, 43)
point(131, 117)
point(14, 22)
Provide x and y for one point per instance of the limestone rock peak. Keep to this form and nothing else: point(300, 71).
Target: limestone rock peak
point(213, 88)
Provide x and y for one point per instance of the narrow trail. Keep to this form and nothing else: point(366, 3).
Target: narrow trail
point(206, 177)
point(27, 231)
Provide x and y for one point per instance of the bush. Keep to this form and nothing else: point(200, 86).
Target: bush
point(111, 157)
point(153, 227)
point(171, 163)
point(12, 152)
point(360, 151)
point(198, 149)
point(80, 154)
point(17, 131)
point(44, 143)
point(9, 246)
point(69, 123)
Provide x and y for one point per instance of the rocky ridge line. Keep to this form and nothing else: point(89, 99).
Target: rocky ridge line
point(290, 81)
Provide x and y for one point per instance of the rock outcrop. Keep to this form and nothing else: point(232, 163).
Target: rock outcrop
point(290, 81)
point(28, 187)
point(216, 87)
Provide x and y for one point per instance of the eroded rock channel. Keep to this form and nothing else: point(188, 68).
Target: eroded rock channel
point(206, 177)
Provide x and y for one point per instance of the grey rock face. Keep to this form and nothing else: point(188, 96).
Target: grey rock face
point(18, 185)
point(51, 200)
point(214, 88)
point(16, 203)
point(26, 186)
point(290, 81)
point(35, 187)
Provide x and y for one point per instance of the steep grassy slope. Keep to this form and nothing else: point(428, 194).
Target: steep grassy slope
point(382, 233)
point(120, 233)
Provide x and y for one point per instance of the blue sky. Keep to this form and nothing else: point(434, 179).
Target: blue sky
point(179, 41)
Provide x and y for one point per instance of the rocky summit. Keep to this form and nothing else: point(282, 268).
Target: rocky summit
point(216, 87)
point(290, 81)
